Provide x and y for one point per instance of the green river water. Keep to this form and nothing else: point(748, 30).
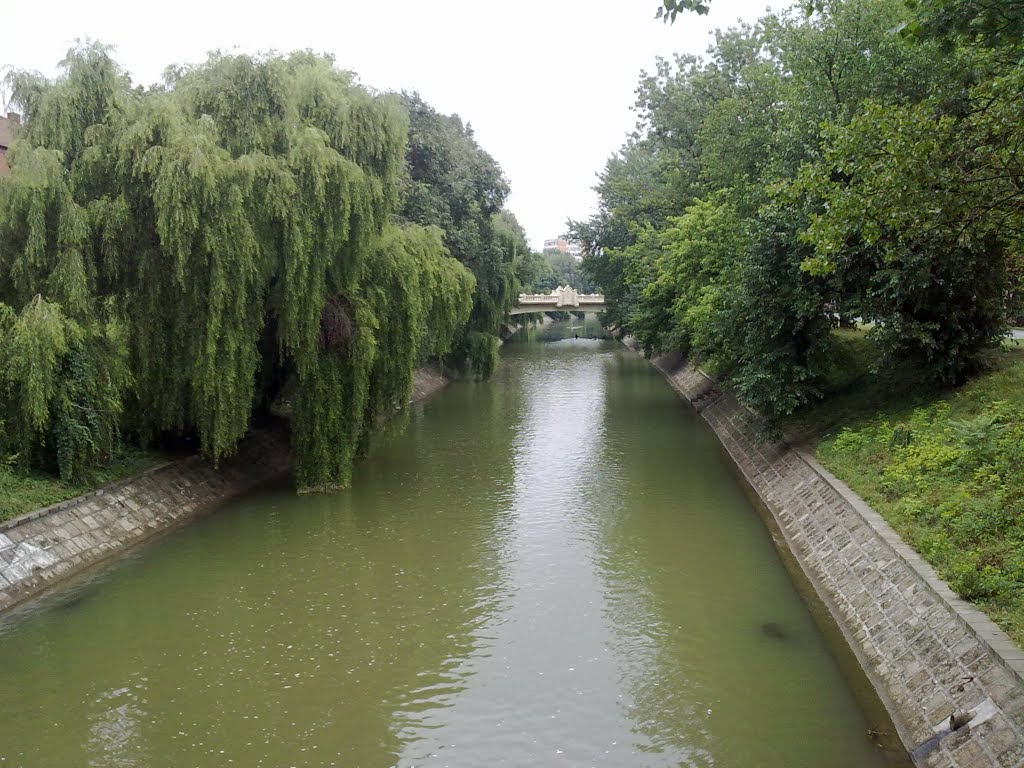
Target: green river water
point(555, 567)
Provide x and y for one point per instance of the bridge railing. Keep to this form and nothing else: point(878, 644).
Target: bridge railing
point(544, 298)
point(563, 297)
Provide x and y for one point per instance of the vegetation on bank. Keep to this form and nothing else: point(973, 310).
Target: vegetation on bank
point(847, 162)
point(176, 259)
point(814, 169)
point(22, 492)
point(543, 272)
point(944, 467)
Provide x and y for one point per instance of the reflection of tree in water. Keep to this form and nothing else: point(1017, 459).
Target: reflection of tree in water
point(555, 326)
point(463, 448)
point(542, 689)
point(537, 548)
point(418, 558)
point(284, 627)
point(661, 697)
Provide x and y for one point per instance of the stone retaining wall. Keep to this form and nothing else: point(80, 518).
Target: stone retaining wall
point(43, 547)
point(425, 382)
point(927, 652)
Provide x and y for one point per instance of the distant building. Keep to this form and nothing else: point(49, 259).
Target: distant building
point(8, 127)
point(562, 245)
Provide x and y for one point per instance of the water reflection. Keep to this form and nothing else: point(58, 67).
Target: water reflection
point(541, 681)
point(693, 581)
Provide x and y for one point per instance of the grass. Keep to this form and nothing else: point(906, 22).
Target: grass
point(946, 469)
point(20, 493)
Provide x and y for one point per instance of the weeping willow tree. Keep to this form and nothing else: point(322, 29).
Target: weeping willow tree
point(220, 237)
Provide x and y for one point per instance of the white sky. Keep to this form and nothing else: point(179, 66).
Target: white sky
point(546, 84)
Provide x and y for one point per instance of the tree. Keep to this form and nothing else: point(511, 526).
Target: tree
point(921, 221)
point(818, 164)
point(452, 183)
point(226, 238)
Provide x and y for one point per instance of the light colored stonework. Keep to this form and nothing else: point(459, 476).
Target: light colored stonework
point(927, 652)
point(425, 382)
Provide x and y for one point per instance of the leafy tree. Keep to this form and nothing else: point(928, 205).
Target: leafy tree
point(813, 165)
point(564, 269)
point(996, 23)
point(533, 272)
point(922, 233)
point(452, 183)
point(225, 238)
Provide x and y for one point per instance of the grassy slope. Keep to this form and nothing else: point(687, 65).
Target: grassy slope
point(946, 469)
point(22, 493)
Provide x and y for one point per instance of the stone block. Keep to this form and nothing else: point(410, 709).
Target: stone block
point(1013, 757)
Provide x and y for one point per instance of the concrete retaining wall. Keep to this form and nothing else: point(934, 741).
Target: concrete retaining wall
point(43, 547)
point(50, 544)
point(927, 652)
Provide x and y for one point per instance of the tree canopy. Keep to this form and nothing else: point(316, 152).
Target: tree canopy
point(817, 168)
point(176, 258)
point(454, 184)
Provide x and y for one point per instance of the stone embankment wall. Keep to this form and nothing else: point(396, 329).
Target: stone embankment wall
point(43, 547)
point(927, 652)
point(425, 382)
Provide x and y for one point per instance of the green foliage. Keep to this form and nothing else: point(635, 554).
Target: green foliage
point(33, 348)
point(24, 491)
point(61, 388)
point(919, 220)
point(817, 168)
point(446, 288)
point(452, 183)
point(481, 349)
point(533, 272)
point(669, 9)
point(996, 23)
point(332, 397)
point(219, 238)
point(945, 473)
point(404, 309)
point(561, 269)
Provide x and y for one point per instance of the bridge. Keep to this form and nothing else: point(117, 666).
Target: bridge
point(562, 299)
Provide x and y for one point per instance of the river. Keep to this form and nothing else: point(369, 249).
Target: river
point(555, 567)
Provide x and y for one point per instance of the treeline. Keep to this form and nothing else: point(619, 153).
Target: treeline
point(542, 272)
point(254, 231)
point(862, 163)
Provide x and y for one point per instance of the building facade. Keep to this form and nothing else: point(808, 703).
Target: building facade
point(562, 245)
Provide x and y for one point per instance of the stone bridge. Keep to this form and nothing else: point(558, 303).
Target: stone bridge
point(562, 299)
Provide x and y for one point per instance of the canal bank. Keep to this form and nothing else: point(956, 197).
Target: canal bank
point(928, 653)
point(46, 546)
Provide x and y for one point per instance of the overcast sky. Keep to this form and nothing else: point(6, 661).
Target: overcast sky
point(546, 84)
